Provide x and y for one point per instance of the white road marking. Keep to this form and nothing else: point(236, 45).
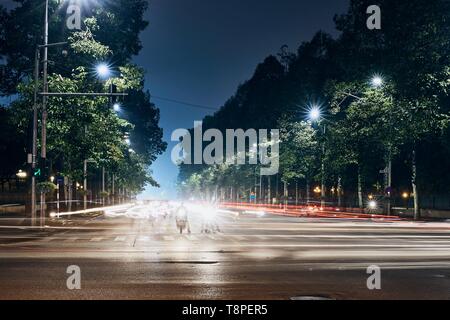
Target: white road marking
point(120, 238)
point(48, 239)
point(96, 239)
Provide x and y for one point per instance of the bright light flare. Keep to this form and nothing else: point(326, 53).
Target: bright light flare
point(372, 204)
point(116, 107)
point(314, 113)
point(21, 174)
point(376, 81)
point(207, 211)
point(103, 70)
point(259, 213)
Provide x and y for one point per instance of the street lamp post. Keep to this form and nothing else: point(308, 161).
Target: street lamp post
point(45, 82)
point(34, 144)
point(315, 115)
point(377, 81)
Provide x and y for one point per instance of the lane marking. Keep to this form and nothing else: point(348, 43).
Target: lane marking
point(48, 239)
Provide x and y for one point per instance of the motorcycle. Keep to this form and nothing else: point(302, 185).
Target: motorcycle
point(181, 224)
point(182, 220)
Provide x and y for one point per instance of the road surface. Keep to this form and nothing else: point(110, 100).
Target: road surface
point(252, 257)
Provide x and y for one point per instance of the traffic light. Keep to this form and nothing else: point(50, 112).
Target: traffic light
point(37, 172)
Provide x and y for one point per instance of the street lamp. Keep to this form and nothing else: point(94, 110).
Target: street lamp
point(372, 204)
point(103, 70)
point(116, 107)
point(21, 174)
point(314, 114)
point(377, 81)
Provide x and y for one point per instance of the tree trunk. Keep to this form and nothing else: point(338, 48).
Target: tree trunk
point(388, 183)
point(339, 188)
point(414, 186)
point(277, 187)
point(307, 191)
point(360, 192)
point(69, 191)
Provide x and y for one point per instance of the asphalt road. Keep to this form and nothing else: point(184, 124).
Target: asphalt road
point(252, 257)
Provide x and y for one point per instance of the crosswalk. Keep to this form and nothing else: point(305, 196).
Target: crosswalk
point(158, 237)
point(436, 241)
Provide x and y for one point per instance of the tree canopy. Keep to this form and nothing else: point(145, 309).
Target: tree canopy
point(124, 141)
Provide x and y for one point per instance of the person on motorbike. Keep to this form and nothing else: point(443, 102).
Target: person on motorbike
point(182, 218)
point(209, 219)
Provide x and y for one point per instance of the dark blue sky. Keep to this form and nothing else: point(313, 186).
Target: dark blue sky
point(199, 51)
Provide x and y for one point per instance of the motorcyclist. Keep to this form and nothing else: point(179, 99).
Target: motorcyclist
point(182, 217)
point(209, 220)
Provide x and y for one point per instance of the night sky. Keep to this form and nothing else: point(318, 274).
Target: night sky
point(199, 51)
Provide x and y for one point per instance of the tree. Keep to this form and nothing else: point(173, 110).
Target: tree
point(81, 128)
point(414, 52)
point(300, 152)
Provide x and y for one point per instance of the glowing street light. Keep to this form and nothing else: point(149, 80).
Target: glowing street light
point(314, 113)
point(21, 174)
point(116, 107)
point(372, 204)
point(377, 81)
point(103, 70)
